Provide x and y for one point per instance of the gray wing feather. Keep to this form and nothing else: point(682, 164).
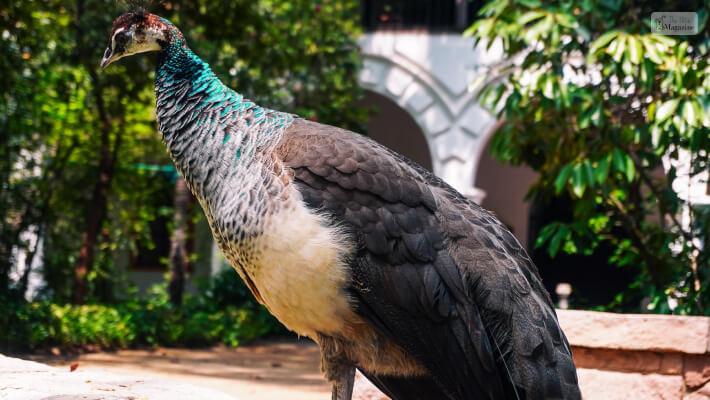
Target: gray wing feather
point(436, 273)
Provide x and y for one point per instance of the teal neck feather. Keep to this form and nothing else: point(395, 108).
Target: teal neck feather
point(178, 64)
point(218, 140)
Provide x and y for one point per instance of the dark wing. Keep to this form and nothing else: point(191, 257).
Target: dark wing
point(433, 271)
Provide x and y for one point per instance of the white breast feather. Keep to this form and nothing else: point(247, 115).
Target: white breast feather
point(302, 272)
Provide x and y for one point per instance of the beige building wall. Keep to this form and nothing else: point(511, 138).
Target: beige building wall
point(393, 127)
point(505, 187)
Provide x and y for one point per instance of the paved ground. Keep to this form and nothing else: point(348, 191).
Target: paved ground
point(29, 380)
point(283, 369)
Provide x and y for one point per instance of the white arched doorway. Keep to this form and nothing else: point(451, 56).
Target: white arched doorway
point(427, 75)
point(395, 128)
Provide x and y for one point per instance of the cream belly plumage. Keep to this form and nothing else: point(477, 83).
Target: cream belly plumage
point(300, 272)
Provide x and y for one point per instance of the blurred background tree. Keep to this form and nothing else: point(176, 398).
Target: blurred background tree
point(614, 117)
point(78, 145)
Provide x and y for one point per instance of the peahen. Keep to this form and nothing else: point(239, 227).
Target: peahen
point(385, 266)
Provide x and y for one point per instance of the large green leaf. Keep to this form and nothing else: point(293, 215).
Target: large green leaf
point(602, 170)
point(635, 50)
point(618, 47)
point(690, 112)
point(630, 169)
point(619, 159)
point(579, 183)
point(651, 50)
point(563, 177)
point(602, 41)
point(589, 172)
point(666, 109)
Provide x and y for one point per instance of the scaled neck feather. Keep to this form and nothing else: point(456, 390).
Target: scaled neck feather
point(220, 142)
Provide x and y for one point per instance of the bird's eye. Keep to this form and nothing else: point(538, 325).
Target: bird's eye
point(120, 39)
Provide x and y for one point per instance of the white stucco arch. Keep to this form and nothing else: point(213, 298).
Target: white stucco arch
point(428, 75)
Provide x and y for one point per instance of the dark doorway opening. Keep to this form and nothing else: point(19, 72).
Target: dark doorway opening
point(393, 127)
point(594, 281)
point(431, 15)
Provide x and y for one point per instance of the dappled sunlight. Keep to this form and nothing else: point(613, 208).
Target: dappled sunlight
point(262, 370)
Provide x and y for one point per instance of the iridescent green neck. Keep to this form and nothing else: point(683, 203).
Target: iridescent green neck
point(190, 98)
point(178, 62)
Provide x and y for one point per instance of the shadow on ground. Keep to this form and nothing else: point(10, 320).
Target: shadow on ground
point(286, 368)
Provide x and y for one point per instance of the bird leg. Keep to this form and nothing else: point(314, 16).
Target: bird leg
point(337, 367)
point(343, 385)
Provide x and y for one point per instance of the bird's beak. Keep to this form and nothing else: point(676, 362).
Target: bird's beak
point(105, 62)
point(109, 57)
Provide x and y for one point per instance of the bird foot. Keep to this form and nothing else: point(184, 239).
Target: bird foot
point(343, 386)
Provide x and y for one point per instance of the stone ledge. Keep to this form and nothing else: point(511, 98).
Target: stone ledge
point(630, 361)
point(666, 333)
point(608, 385)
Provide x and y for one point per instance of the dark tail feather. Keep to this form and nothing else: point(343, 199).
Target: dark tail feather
point(410, 388)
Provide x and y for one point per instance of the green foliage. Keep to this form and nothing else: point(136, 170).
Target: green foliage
point(226, 288)
point(594, 102)
point(200, 321)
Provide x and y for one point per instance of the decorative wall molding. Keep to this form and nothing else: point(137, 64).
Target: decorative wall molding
point(428, 76)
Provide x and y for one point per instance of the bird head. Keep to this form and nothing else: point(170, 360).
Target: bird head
point(136, 32)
